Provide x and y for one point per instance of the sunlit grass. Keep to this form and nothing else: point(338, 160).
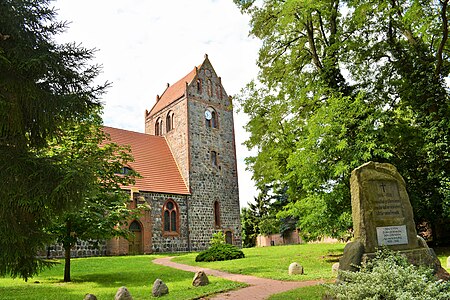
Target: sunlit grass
point(102, 276)
point(273, 262)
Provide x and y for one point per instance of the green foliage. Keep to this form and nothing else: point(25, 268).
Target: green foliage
point(342, 83)
point(389, 276)
point(269, 225)
point(261, 216)
point(219, 252)
point(44, 87)
point(218, 238)
point(249, 225)
point(104, 210)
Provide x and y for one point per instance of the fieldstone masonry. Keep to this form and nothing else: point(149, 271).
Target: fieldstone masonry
point(192, 142)
point(213, 202)
point(382, 216)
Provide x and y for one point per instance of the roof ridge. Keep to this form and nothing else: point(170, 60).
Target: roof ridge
point(162, 102)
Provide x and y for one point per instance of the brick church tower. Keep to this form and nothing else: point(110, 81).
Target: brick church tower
point(195, 116)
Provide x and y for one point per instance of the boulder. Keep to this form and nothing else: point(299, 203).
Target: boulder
point(295, 268)
point(335, 268)
point(159, 288)
point(123, 294)
point(200, 279)
point(89, 297)
point(352, 256)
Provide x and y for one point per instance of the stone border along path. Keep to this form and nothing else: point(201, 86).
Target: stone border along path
point(258, 289)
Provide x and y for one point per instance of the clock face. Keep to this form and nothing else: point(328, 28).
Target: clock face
point(208, 115)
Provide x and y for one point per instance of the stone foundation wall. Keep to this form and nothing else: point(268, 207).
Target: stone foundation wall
point(82, 249)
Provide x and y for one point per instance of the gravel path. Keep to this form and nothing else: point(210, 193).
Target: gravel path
point(258, 289)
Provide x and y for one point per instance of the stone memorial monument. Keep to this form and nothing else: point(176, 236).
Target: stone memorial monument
point(383, 216)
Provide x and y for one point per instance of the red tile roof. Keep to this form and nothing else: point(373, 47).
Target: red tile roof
point(153, 160)
point(173, 92)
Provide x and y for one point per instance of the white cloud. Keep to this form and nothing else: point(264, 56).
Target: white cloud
point(145, 44)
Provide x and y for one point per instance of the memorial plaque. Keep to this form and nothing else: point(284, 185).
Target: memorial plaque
point(392, 235)
point(382, 216)
point(381, 211)
point(387, 200)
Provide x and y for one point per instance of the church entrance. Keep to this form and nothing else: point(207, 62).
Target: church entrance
point(135, 242)
point(228, 237)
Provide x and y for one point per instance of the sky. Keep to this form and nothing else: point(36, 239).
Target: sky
point(145, 44)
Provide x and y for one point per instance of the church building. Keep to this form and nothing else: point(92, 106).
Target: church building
point(187, 162)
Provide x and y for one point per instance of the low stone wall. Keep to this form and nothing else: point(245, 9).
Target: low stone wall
point(82, 249)
point(277, 239)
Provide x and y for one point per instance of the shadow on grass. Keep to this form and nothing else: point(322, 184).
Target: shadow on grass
point(133, 278)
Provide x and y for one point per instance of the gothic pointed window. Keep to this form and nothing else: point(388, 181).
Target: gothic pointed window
point(211, 118)
point(214, 119)
point(169, 121)
point(159, 127)
point(170, 218)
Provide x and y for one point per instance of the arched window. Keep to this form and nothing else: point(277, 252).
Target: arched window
point(214, 162)
point(170, 218)
point(210, 88)
point(216, 214)
point(212, 119)
point(169, 121)
point(159, 127)
point(199, 86)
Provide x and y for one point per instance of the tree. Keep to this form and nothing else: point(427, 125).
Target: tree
point(43, 87)
point(342, 83)
point(249, 227)
point(105, 210)
point(261, 216)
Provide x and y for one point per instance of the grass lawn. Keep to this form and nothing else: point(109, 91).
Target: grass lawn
point(442, 253)
point(102, 276)
point(273, 262)
point(306, 293)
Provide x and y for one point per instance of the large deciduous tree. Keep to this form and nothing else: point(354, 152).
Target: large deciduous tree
point(342, 83)
point(44, 86)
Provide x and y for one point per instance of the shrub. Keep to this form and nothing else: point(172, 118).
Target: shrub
point(389, 276)
point(217, 238)
point(220, 252)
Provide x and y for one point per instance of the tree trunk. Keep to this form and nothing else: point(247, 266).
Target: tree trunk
point(67, 246)
point(67, 264)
